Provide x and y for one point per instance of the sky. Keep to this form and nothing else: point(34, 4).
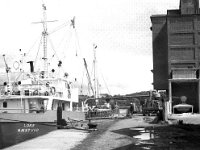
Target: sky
point(119, 28)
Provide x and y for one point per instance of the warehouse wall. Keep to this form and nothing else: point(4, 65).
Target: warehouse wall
point(160, 53)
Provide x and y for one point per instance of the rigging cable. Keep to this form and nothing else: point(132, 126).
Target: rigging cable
point(61, 41)
point(32, 46)
point(67, 44)
point(82, 82)
point(52, 46)
point(78, 44)
point(55, 30)
point(105, 84)
point(55, 54)
point(38, 50)
point(59, 27)
point(59, 46)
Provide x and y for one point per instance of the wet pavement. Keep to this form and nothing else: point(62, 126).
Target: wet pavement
point(138, 133)
point(169, 137)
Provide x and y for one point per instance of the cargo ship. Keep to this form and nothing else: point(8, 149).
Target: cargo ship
point(35, 102)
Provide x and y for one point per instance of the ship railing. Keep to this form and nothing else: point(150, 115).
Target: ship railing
point(21, 110)
point(106, 114)
point(34, 110)
point(33, 93)
point(99, 114)
point(29, 90)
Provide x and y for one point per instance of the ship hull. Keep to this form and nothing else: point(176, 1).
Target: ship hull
point(16, 132)
point(16, 128)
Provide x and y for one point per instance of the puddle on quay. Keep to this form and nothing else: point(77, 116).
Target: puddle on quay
point(144, 133)
point(146, 148)
point(163, 137)
point(137, 129)
point(145, 136)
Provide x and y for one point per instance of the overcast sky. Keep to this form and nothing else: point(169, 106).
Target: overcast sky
point(120, 29)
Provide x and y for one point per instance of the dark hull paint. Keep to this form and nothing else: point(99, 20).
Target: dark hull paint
point(15, 132)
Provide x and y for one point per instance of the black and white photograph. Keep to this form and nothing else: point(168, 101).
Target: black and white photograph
point(99, 75)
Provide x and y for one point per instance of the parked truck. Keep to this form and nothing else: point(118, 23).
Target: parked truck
point(153, 104)
point(150, 107)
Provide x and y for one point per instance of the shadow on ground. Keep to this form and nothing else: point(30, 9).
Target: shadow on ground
point(102, 126)
point(164, 137)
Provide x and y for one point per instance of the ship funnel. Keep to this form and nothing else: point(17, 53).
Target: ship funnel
point(31, 66)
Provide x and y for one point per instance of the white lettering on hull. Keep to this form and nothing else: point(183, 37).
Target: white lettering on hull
point(28, 128)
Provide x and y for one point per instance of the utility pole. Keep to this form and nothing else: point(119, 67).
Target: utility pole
point(95, 78)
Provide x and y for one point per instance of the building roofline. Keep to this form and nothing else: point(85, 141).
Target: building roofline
point(153, 16)
point(174, 15)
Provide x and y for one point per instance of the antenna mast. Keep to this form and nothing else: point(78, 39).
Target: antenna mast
point(44, 35)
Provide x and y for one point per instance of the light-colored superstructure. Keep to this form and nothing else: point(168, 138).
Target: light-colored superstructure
point(32, 103)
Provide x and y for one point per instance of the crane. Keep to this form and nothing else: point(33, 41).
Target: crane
point(7, 71)
point(88, 76)
point(7, 68)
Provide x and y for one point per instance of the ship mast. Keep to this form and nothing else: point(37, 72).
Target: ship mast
point(44, 35)
point(44, 38)
point(95, 78)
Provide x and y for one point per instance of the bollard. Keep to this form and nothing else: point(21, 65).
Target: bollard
point(59, 115)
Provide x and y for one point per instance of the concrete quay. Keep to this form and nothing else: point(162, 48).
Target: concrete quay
point(187, 118)
point(62, 139)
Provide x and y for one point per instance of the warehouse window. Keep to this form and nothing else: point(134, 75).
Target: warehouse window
point(5, 104)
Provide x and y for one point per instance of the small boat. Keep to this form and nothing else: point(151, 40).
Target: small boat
point(36, 102)
point(183, 108)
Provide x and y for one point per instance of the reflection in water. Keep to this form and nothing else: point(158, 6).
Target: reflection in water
point(146, 148)
point(137, 129)
point(145, 136)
